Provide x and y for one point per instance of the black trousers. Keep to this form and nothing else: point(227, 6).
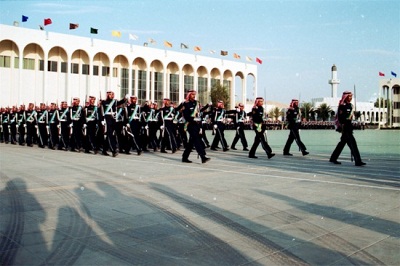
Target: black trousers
point(240, 135)
point(260, 138)
point(168, 136)
point(21, 134)
point(220, 136)
point(347, 138)
point(135, 139)
point(194, 140)
point(111, 134)
point(294, 135)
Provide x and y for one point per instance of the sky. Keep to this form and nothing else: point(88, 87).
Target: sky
point(297, 41)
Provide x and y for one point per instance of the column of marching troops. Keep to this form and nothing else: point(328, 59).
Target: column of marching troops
point(108, 125)
point(124, 125)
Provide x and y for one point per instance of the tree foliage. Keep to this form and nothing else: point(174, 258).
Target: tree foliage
point(220, 93)
point(305, 109)
point(324, 111)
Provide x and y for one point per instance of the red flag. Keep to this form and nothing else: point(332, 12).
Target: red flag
point(47, 21)
point(73, 26)
point(381, 74)
point(258, 60)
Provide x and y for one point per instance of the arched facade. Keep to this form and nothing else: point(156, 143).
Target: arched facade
point(389, 108)
point(56, 67)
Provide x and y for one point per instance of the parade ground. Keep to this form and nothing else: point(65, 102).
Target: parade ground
point(68, 208)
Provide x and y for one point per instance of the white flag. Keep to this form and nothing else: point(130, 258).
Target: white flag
point(133, 37)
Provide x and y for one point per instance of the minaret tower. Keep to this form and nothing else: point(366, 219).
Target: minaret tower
point(334, 82)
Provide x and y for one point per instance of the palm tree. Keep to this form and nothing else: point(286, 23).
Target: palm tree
point(275, 113)
point(305, 109)
point(324, 111)
point(220, 93)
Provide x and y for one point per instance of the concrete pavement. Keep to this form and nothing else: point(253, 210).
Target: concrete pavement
point(64, 208)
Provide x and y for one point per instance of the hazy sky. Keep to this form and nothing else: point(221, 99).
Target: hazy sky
point(298, 41)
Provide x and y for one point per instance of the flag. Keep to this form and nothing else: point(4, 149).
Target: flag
point(184, 46)
point(381, 74)
point(24, 18)
point(394, 74)
point(235, 55)
point(167, 44)
point(116, 33)
point(249, 59)
point(145, 44)
point(258, 60)
point(152, 41)
point(16, 23)
point(73, 26)
point(93, 31)
point(197, 48)
point(212, 51)
point(47, 21)
point(224, 53)
point(133, 37)
point(41, 27)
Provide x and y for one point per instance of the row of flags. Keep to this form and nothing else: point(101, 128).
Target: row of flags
point(381, 74)
point(115, 33)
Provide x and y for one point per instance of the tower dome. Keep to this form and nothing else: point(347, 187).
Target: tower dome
point(334, 68)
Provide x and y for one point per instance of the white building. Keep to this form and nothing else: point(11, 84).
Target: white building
point(39, 66)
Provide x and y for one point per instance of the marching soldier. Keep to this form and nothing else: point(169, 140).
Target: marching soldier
point(90, 127)
point(108, 116)
point(54, 137)
point(5, 124)
point(133, 125)
point(239, 119)
point(345, 116)
point(218, 120)
point(190, 110)
point(42, 121)
point(13, 124)
point(21, 125)
point(120, 130)
point(293, 117)
point(30, 124)
point(64, 126)
point(167, 115)
point(77, 119)
point(259, 127)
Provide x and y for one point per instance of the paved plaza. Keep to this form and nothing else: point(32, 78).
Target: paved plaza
point(65, 208)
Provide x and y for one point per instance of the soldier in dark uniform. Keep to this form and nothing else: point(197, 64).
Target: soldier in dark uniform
point(13, 124)
point(133, 126)
point(204, 118)
point(21, 126)
point(293, 117)
point(120, 131)
point(91, 116)
point(239, 119)
point(167, 115)
point(53, 127)
point(181, 138)
point(108, 116)
point(30, 124)
point(5, 124)
point(345, 116)
point(257, 114)
point(218, 121)
point(65, 126)
point(190, 110)
point(42, 121)
point(77, 119)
